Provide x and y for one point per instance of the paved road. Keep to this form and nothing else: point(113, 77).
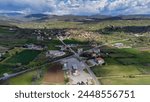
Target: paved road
point(87, 67)
point(15, 74)
point(106, 44)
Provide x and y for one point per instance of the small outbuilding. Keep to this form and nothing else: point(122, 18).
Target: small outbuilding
point(54, 53)
point(100, 60)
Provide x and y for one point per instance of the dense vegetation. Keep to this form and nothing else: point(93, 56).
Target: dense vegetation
point(23, 57)
point(6, 68)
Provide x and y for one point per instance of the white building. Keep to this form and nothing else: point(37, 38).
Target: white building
point(100, 61)
point(118, 45)
point(80, 50)
point(54, 53)
point(75, 70)
point(72, 63)
point(6, 74)
point(1, 54)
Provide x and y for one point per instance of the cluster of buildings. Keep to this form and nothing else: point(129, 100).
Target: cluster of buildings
point(73, 66)
point(74, 69)
point(94, 57)
point(42, 35)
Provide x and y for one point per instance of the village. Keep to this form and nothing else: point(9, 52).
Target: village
point(74, 65)
point(70, 56)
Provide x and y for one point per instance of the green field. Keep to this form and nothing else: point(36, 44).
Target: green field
point(5, 68)
point(52, 43)
point(24, 79)
point(123, 62)
point(86, 26)
point(23, 57)
point(143, 80)
point(115, 70)
point(5, 31)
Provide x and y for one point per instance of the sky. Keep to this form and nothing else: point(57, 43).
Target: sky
point(76, 7)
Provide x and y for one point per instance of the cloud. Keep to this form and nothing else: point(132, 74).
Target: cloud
point(77, 7)
point(28, 6)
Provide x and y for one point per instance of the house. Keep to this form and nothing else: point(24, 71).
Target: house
point(49, 38)
point(1, 54)
point(40, 38)
point(99, 60)
point(72, 63)
point(138, 35)
point(6, 74)
point(118, 45)
point(96, 61)
point(75, 70)
point(12, 29)
point(93, 54)
point(80, 50)
point(92, 62)
point(65, 66)
point(63, 48)
point(54, 53)
point(96, 50)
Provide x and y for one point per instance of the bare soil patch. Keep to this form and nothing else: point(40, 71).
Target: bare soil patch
point(54, 75)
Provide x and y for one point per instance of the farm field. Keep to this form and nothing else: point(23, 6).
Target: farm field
point(113, 70)
point(5, 68)
point(23, 57)
point(24, 79)
point(124, 62)
point(53, 43)
point(5, 31)
point(53, 75)
point(142, 80)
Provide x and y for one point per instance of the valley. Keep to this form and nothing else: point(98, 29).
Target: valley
point(72, 50)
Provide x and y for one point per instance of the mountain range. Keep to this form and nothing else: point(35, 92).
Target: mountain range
point(75, 18)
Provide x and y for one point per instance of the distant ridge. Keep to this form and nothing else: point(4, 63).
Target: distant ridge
point(73, 18)
point(36, 16)
point(11, 14)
